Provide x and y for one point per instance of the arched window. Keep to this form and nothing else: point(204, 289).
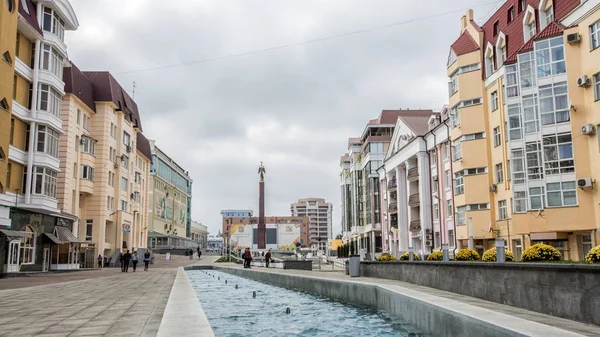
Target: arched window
point(501, 50)
point(489, 60)
point(546, 11)
point(529, 25)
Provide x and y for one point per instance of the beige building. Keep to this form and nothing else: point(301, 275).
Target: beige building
point(170, 196)
point(318, 212)
point(199, 234)
point(104, 164)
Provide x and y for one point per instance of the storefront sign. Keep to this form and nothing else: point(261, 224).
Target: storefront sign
point(126, 228)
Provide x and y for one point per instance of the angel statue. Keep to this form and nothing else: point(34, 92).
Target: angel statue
point(261, 172)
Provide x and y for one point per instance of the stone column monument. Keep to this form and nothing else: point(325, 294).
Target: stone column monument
point(262, 230)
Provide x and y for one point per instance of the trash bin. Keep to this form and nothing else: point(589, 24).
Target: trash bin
point(347, 268)
point(354, 266)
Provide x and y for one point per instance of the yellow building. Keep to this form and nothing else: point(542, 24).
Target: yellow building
point(523, 163)
point(104, 164)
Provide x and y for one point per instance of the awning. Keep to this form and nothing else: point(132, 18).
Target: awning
point(65, 235)
point(53, 239)
point(13, 235)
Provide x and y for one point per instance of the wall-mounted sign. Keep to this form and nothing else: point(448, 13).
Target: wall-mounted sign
point(126, 228)
point(415, 227)
point(236, 214)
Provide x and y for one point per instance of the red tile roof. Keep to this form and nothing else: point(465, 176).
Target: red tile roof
point(553, 29)
point(464, 44)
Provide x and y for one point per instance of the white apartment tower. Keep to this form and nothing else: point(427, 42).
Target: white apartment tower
point(320, 225)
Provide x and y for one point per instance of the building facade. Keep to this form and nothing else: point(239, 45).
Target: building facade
point(199, 234)
point(104, 164)
point(320, 228)
point(170, 196)
point(40, 237)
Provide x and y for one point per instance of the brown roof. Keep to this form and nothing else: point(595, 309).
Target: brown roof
point(464, 44)
point(417, 120)
point(344, 159)
point(31, 18)
point(143, 145)
point(78, 84)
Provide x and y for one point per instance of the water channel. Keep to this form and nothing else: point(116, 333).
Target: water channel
point(259, 309)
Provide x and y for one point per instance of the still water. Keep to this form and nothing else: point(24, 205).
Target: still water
point(235, 312)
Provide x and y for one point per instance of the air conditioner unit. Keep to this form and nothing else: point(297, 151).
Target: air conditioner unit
point(573, 38)
point(588, 129)
point(493, 188)
point(434, 178)
point(428, 243)
point(427, 231)
point(585, 182)
point(583, 81)
point(428, 237)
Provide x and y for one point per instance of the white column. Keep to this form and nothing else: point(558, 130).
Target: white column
point(402, 209)
point(425, 196)
point(33, 125)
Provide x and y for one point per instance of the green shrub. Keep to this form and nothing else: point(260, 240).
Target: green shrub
point(490, 255)
point(467, 254)
point(386, 257)
point(436, 256)
point(593, 256)
point(404, 257)
point(541, 252)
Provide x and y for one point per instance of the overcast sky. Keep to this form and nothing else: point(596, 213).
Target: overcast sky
point(292, 108)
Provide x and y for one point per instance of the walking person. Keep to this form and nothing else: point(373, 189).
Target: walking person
point(268, 258)
point(126, 259)
point(191, 254)
point(100, 260)
point(248, 257)
point(122, 260)
point(146, 259)
point(134, 260)
point(198, 251)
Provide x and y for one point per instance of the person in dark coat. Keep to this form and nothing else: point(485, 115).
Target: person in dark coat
point(126, 259)
point(268, 258)
point(146, 259)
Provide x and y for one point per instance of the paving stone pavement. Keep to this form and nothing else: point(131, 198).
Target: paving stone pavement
point(129, 304)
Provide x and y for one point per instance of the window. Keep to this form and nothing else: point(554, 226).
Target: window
point(8, 174)
point(533, 153)
point(138, 177)
point(531, 29)
point(520, 202)
point(124, 161)
point(49, 100)
point(554, 103)
point(470, 67)
point(123, 205)
point(530, 114)
point(109, 202)
point(52, 61)
point(502, 211)
point(521, 6)
point(112, 130)
point(550, 57)
point(518, 166)
point(436, 211)
point(511, 84)
point(497, 137)
point(473, 136)
point(456, 150)
point(586, 244)
point(111, 178)
point(469, 102)
point(449, 209)
point(47, 141)
point(87, 172)
point(511, 15)
point(126, 138)
point(28, 248)
point(451, 57)
point(451, 237)
point(549, 15)
point(508, 170)
point(561, 194)
point(518, 249)
point(496, 28)
point(78, 117)
point(446, 152)
point(494, 100)
point(474, 171)
point(514, 122)
point(447, 179)
point(88, 145)
point(113, 154)
point(502, 56)
point(460, 215)
point(536, 198)
point(489, 65)
point(595, 35)
point(477, 207)
point(11, 133)
point(89, 229)
point(124, 184)
point(526, 73)
point(499, 173)
point(53, 23)
point(597, 86)
point(86, 122)
point(454, 117)
point(459, 183)
point(558, 154)
point(453, 84)
point(44, 181)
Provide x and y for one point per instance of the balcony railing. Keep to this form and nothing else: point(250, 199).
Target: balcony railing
point(414, 200)
point(392, 184)
point(415, 226)
point(413, 174)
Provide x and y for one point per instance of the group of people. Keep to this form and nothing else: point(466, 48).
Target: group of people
point(191, 253)
point(247, 257)
point(127, 257)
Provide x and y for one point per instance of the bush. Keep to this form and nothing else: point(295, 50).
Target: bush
point(436, 256)
point(467, 254)
point(404, 257)
point(541, 252)
point(490, 255)
point(386, 257)
point(593, 256)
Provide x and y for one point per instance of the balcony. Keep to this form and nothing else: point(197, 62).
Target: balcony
point(415, 226)
point(414, 200)
point(413, 174)
point(392, 185)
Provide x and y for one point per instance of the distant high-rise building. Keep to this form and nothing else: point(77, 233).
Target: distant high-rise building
point(318, 211)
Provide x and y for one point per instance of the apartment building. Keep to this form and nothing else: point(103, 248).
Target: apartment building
point(320, 223)
point(104, 164)
point(516, 127)
point(40, 236)
point(416, 185)
point(170, 196)
point(199, 234)
point(360, 182)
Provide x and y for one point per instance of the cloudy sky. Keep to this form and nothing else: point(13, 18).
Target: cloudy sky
point(292, 108)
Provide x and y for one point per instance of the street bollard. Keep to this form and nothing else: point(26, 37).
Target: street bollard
point(445, 252)
point(500, 258)
point(410, 254)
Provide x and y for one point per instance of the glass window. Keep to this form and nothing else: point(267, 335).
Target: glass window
point(454, 117)
point(461, 215)
point(47, 141)
point(499, 173)
point(451, 238)
point(502, 210)
point(595, 35)
point(549, 15)
point(550, 57)
point(53, 23)
point(533, 153)
point(561, 194)
point(124, 184)
point(87, 172)
point(126, 138)
point(27, 253)
point(518, 249)
point(554, 103)
point(453, 83)
point(494, 99)
point(88, 145)
point(530, 114)
point(52, 60)
point(125, 161)
point(514, 122)
point(520, 202)
point(436, 211)
point(518, 166)
point(511, 84)
point(123, 205)
point(459, 184)
point(597, 86)
point(456, 150)
point(89, 229)
point(449, 209)
point(558, 154)
point(526, 66)
point(497, 137)
point(447, 179)
point(536, 198)
point(586, 244)
point(474, 136)
point(489, 66)
point(50, 100)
